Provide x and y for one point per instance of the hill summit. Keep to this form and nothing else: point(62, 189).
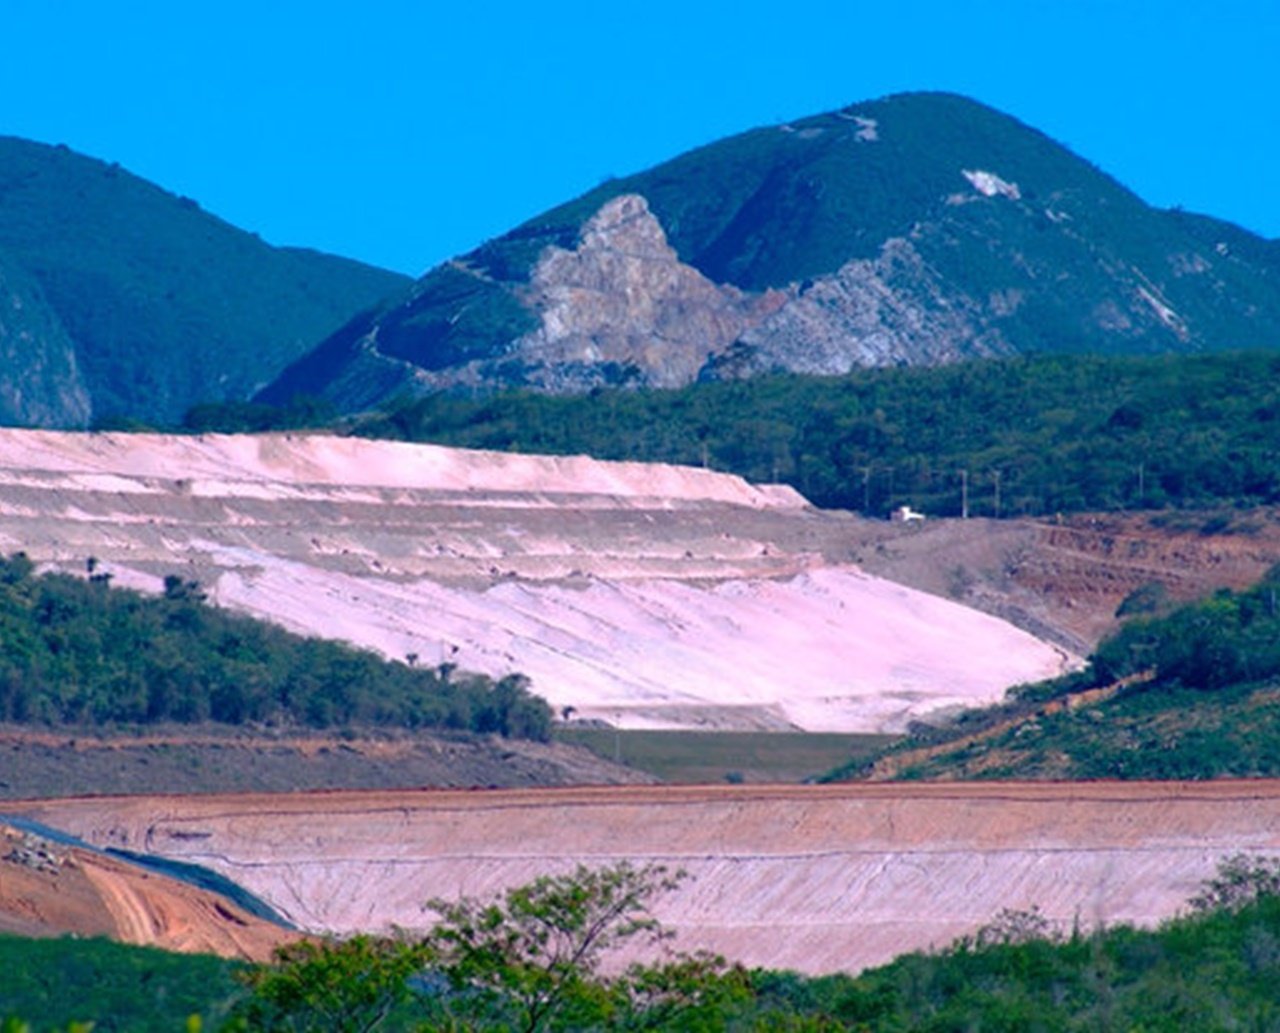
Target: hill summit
point(916, 229)
point(118, 298)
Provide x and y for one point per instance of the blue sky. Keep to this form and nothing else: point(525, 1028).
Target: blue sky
point(401, 133)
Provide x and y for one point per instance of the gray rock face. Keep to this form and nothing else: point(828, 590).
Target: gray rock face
point(891, 311)
point(621, 308)
point(623, 298)
point(40, 382)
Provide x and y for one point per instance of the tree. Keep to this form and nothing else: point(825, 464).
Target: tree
point(535, 954)
point(345, 986)
point(1240, 880)
point(531, 960)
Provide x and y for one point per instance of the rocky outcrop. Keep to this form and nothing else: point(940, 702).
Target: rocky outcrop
point(894, 310)
point(40, 382)
point(622, 298)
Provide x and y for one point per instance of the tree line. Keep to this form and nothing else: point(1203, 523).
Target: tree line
point(1028, 436)
point(1009, 437)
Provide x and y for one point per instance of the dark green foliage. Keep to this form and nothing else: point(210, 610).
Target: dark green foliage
point(449, 317)
point(531, 960)
point(52, 983)
point(1146, 599)
point(237, 417)
point(77, 652)
point(165, 304)
point(501, 966)
point(1228, 639)
point(1057, 434)
point(347, 986)
point(528, 961)
point(1215, 971)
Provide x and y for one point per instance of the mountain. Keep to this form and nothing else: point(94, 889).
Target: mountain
point(919, 228)
point(120, 299)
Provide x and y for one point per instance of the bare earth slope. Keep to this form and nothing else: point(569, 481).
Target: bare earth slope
point(646, 595)
point(47, 889)
point(1064, 579)
point(817, 878)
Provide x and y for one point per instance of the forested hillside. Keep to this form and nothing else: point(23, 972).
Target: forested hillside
point(133, 303)
point(1029, 436)
point(914, 229)
point(78, 652)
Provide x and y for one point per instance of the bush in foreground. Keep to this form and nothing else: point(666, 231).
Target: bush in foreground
point(531, 961)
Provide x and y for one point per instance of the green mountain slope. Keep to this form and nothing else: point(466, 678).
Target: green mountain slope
point(916, 229)
point(41, 382)
point(1042, 435)
point(144, 302)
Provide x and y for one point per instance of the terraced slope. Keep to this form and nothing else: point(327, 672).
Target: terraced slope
point(645, 595)
point(816, 878)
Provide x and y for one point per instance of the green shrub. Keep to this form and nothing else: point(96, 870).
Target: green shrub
point(80, 652)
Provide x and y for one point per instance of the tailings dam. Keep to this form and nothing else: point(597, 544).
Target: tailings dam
point(815, 878)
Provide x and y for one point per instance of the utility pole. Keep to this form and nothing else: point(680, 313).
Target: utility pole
point(995, 476)
point(964, 494)
point(866, 490)
point(1142, 482)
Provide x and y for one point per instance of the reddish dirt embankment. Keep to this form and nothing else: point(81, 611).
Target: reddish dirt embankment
point(1064, 578)
point(47, 889)
point(816, 878)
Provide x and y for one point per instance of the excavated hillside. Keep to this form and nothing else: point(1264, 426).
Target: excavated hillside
point(915, 229)
point(50, 889)
point(1065, 578)
point(643, 595)
point(815, 878)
